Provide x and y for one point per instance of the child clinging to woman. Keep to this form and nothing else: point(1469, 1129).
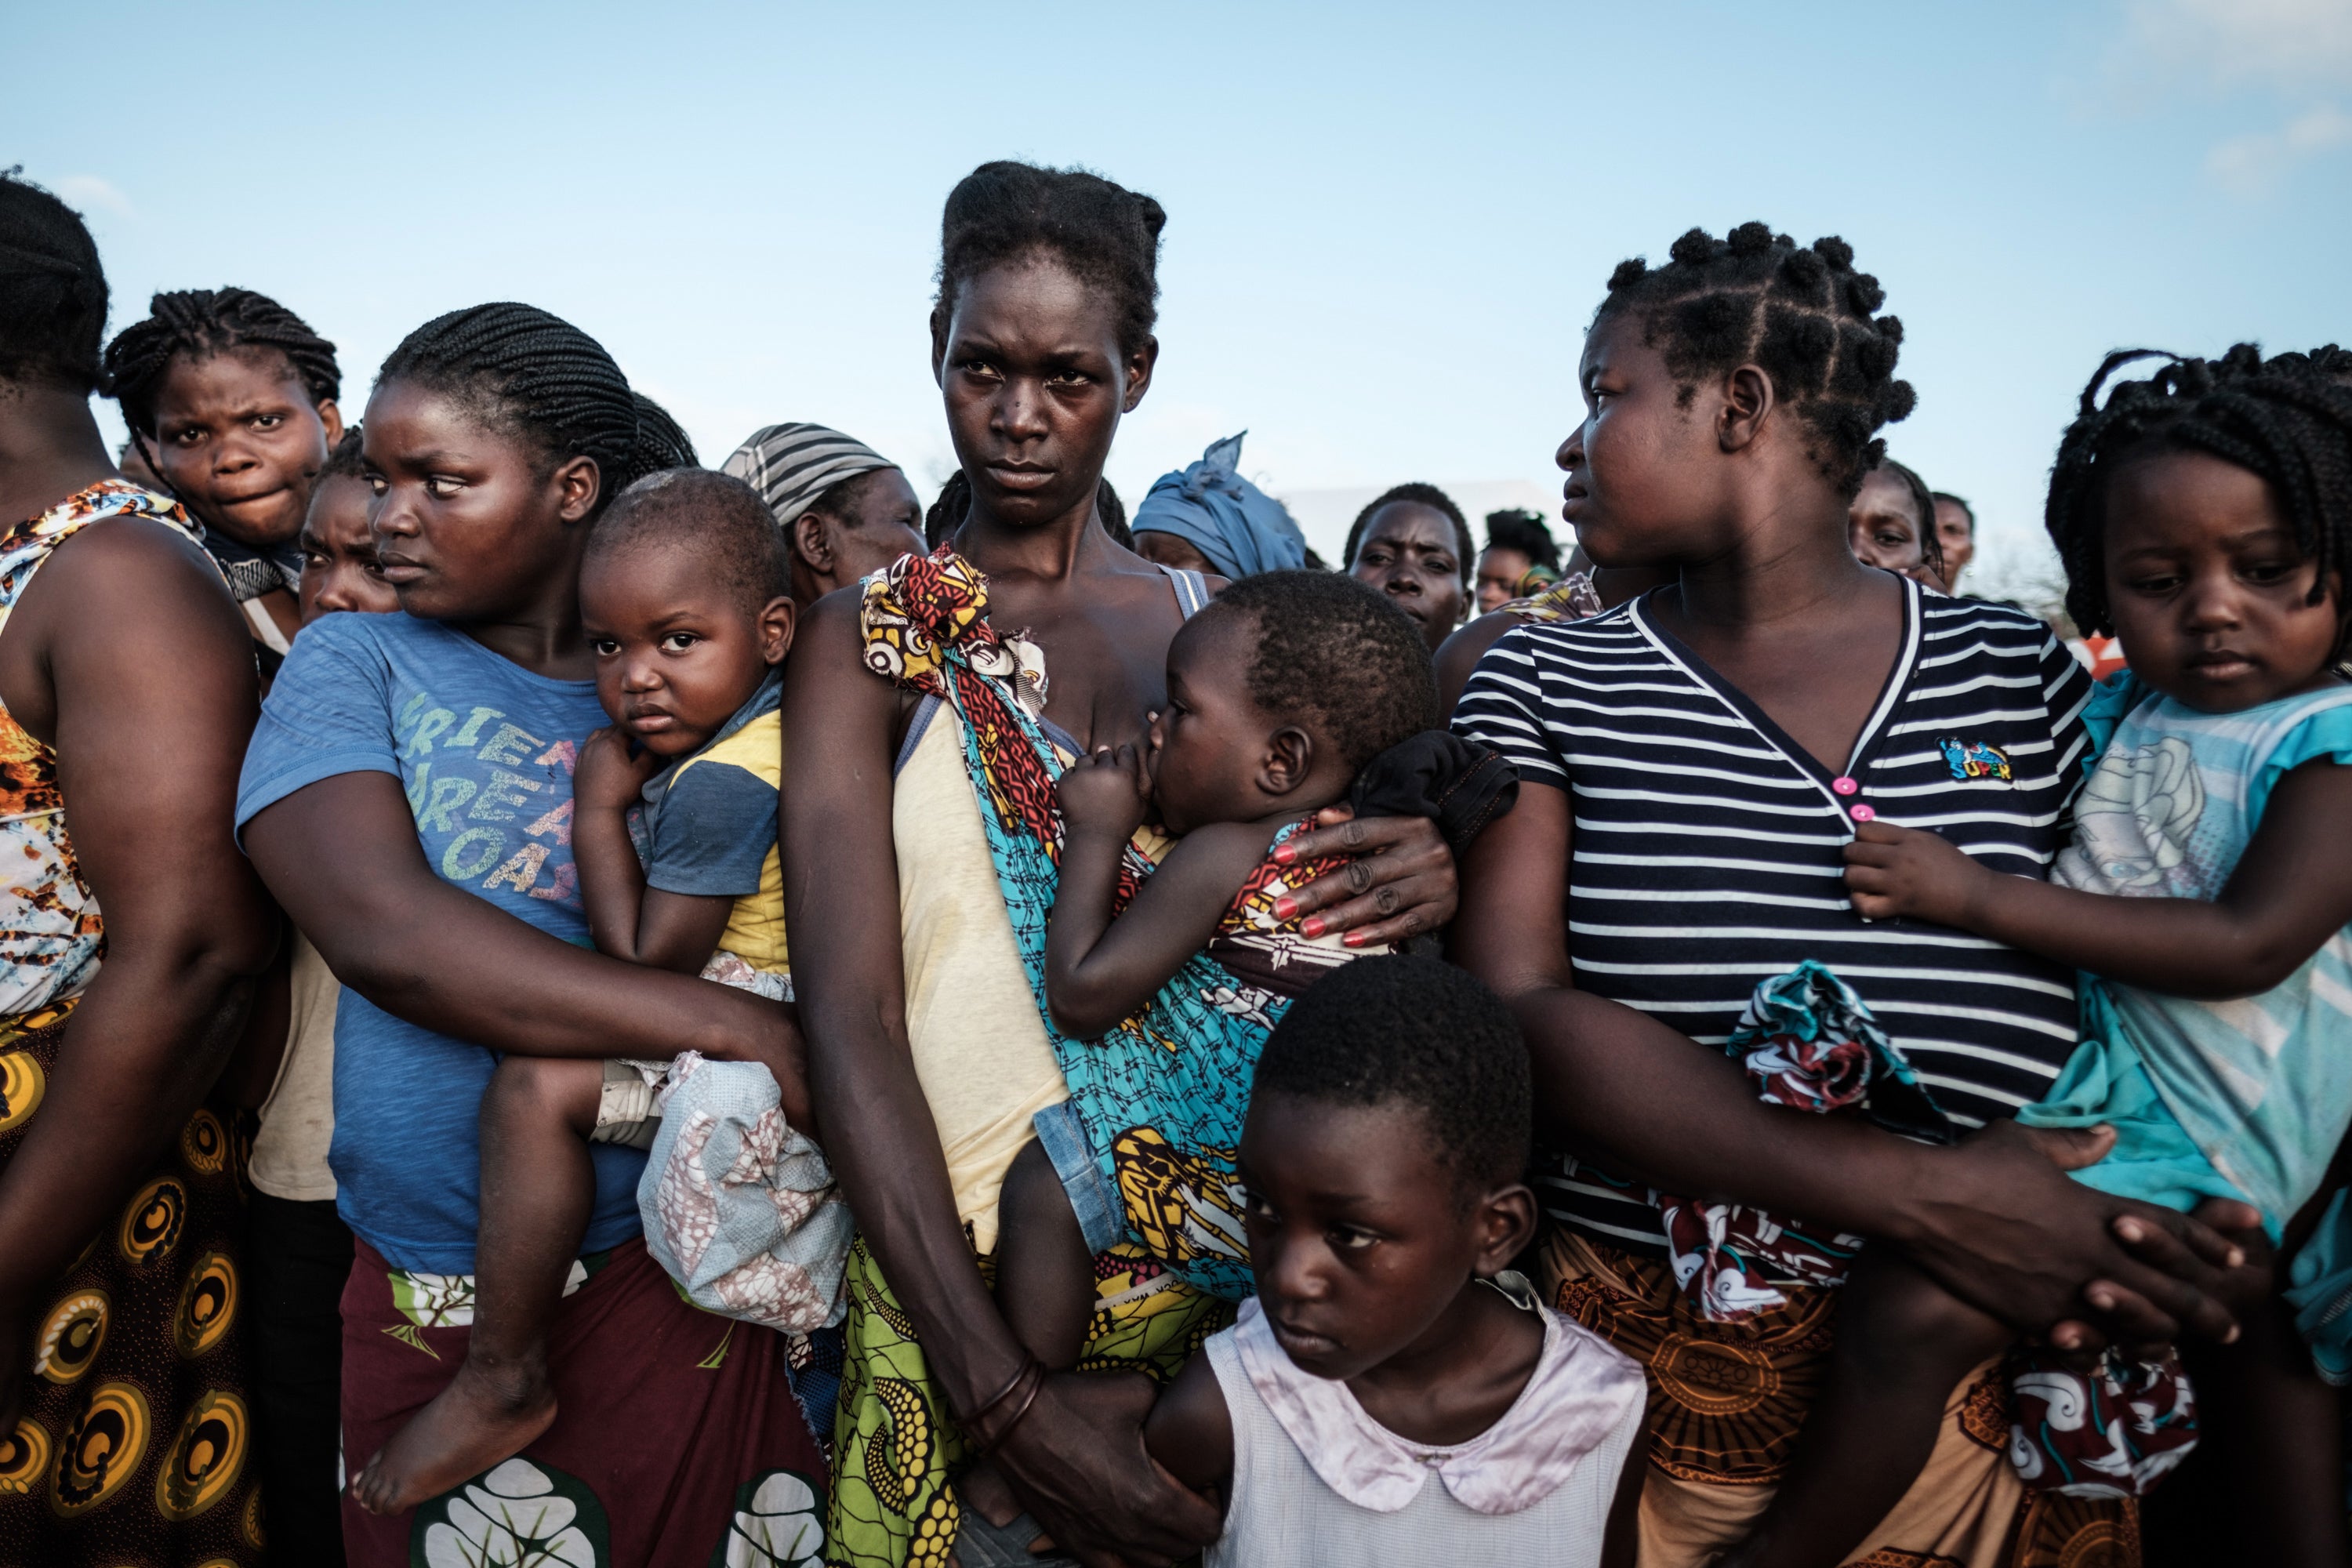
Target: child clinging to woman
point(2205, 516)
point(1391, 1394)
point(685, 599)
point(1291, 693)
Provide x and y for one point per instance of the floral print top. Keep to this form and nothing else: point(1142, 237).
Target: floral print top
point(51, 934)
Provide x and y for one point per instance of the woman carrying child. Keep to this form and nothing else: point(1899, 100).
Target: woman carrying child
point(929, 1051)
point(408, 799)
point(1715, 743)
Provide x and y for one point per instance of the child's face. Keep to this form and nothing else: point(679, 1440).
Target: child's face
point(2207, 588)
point(238, 439)
point(676, 653)
point(470, 522)
point(1883, 525)
point(339, 565)
point(1216, 755)
point(1411, 553)
point(1359, 1237)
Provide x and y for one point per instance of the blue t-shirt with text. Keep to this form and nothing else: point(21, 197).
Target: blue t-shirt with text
point(485, 750)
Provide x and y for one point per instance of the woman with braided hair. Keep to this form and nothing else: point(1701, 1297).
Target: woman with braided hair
point(130, 932)
point(925, 719)
point(408, 799)
point(230, 397)
point(1693, 765)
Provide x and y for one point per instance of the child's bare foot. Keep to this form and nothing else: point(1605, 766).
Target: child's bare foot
point(487, 1415)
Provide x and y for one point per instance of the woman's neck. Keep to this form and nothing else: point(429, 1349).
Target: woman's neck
point(1049, 552)
point(543, 633)
point(1786, 568)
point(49, 448)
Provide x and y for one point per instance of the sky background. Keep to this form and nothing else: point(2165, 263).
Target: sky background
point(1388, 225)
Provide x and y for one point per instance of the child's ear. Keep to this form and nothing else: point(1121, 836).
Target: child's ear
point(1506, 1223)
point(777, 618)
point(1289, 758)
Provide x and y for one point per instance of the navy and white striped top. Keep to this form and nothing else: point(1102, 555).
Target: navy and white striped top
point(1705, 851)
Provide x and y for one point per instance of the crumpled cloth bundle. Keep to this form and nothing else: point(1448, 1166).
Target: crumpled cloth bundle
point(739, 1207)
point(2111, 1430)
point(1811, 1045)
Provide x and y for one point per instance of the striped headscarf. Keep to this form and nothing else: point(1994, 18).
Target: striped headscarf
point(792, 465)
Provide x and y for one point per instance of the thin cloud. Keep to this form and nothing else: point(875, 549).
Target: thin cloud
point(2279, 44)
point(2292, 56)
point(90, 191)
point(2251, 165)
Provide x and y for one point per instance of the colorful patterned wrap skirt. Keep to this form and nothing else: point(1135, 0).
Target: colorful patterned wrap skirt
point(135, 1441)
point(1726, 1400)
point(897, 1444)
point(678, 1443)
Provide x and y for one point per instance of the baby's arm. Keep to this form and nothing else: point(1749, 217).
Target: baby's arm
point(1100, 970)
point(626, 920)
point(1190, 1433)
point(2291, 889)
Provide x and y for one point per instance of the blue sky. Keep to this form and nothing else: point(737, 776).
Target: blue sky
point(1388, 225)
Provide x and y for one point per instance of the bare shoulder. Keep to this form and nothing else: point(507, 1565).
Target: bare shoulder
point(132, 562)
point(1190, 1430)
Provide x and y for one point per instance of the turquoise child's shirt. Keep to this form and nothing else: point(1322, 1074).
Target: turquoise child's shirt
point(2261, 1085)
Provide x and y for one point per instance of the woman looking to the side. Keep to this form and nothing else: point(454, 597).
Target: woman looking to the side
point(929, 1053)
point(1712, 743)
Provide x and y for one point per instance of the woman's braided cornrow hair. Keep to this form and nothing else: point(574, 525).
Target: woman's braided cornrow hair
point(199, 323)
point(536, 374)
point(1802, 313)
point(2287, 419)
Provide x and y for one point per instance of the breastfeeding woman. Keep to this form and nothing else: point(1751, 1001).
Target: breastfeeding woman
point(916, 973)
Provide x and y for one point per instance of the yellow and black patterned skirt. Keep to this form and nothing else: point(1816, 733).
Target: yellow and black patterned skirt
point(135, 1440)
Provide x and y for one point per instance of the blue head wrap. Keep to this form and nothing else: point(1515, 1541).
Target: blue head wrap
point(1242, 530)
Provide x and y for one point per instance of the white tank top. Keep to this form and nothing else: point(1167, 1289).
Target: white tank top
point(1317, 1483)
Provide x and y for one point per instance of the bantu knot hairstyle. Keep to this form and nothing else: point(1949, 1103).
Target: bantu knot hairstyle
point(721, 522)
point(52, 292)
point(2285, 419)
point(540, 377)
point(1107, 236)
point(197, 323)
point(1803, 314)
point(1516, 528)
point(343, 462)
point(1419, 495)
point(1413, 1031)
point(1335, 654)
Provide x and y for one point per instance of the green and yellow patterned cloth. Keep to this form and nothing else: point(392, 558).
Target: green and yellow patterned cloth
point(896, 1447)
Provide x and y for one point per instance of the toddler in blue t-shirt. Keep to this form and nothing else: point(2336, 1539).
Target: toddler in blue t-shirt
point(683, 597)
